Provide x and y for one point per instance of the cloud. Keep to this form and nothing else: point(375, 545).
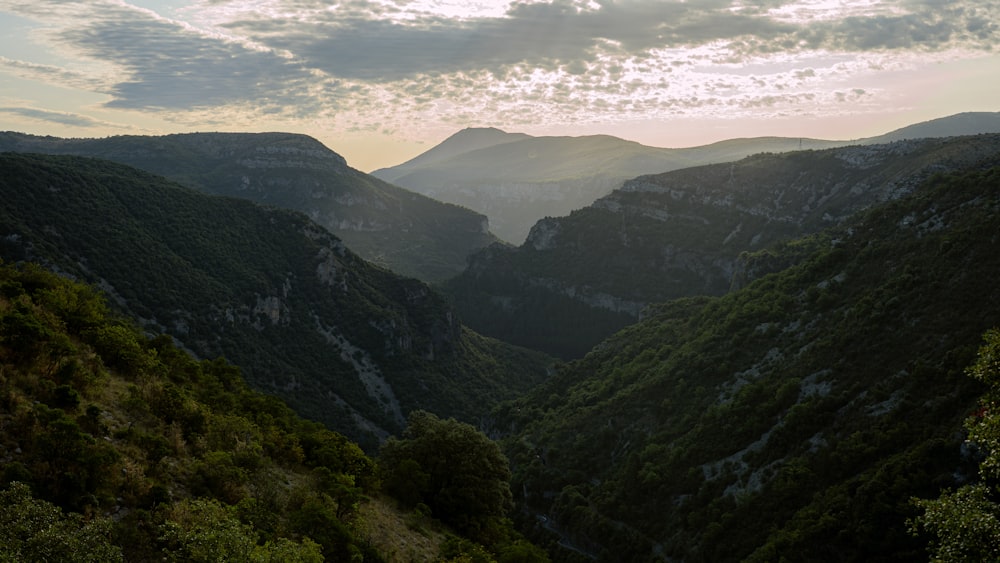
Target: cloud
point(163, 64)
point(392, 64)
point(62, 118)
point(173, 66)
point(349, 41)
point(539, 35)
point(51, 73)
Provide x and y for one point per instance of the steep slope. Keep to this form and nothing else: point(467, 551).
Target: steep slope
point(344, 342)
point(522, 179)
point(792, 419)
point(115, 446)
point(579, 278)
point(401, 230)
point(152, 445)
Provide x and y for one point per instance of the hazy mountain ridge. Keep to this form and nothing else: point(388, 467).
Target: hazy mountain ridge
point(464, 141)
point(347, 343)
point(793, 418)
point(521, 180)
point(682, 233)
point(967, 123)
point(398, 229)
point(517, 182)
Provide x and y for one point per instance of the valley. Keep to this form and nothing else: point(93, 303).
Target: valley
point(754, 353)
point(303, 316)
point(578, 279)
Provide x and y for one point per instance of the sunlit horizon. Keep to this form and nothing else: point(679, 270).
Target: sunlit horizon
point(379, 82)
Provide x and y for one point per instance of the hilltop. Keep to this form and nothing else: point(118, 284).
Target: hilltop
point(395, 228)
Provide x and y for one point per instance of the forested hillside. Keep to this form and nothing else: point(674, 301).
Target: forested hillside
point(344, 342)
point(790, 420)
point(118, 447)
point(579, 278)
point(401, 230)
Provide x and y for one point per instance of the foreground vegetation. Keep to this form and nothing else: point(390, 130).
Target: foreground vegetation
point(115, 446)
point(964, 524)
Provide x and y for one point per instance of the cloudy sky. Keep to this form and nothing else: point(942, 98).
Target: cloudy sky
point(380, 81)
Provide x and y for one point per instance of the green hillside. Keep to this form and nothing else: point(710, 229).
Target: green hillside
point(579, 278)
point(395, 228)
point(118, 447)
point(344, 342)
point(789, 420)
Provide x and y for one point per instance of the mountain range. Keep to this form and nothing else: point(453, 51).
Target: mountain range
point(516, 179)
point(395, 228)
point(765, 358)
point(346, 343)
point(577, 279)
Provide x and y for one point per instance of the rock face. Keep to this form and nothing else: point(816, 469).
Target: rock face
point(685, 233)
point(403, 231)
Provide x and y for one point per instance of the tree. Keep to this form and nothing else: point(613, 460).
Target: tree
point(464, 476)
point(965, 524)
point(203, 530)
point(37, 530)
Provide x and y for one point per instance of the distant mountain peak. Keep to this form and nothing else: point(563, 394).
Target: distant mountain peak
point(475, 138)
point(966, 123)
point(480, 130)
point(467, 140)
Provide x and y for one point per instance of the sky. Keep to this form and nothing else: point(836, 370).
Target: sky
point(380, 81)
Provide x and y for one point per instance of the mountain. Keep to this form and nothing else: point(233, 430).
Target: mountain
point(464, 141)
point(792, 419)
point(344, 342)
point(969, 123)
point(577, 279)
point(398, 229)
point(517, 180)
